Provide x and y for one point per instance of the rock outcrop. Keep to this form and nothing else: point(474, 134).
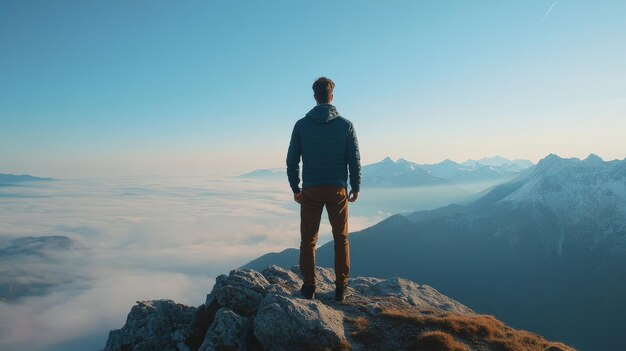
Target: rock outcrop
point(152, 325)
point(248, 310)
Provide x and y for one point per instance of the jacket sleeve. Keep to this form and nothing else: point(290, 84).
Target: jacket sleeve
point(293, 160)
point(354, 160)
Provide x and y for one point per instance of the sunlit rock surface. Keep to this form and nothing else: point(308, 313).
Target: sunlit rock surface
point(248, 310)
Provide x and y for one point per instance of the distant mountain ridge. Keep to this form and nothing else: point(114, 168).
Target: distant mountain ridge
point(401, 173)
point(545, 251)
point(404, 173)
point(14, 178)
point(500, 161)
point(265, 174)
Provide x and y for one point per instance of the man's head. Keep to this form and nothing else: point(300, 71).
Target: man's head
point(323, 90)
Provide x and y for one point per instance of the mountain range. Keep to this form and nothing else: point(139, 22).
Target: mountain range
point(402, 173)
point(545, 251)
point(500, 161)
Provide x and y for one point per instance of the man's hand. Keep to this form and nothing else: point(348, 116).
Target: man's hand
point(353, 195)
point(298, 197)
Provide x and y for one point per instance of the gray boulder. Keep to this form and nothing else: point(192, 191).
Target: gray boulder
point(421, 296)
point(288, 323)
point(228, 331)
point(242, 290)
point(151, 325)
point(324, 278)
point(277, 275)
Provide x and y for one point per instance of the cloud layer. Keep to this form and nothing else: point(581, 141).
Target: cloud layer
point(135, 239)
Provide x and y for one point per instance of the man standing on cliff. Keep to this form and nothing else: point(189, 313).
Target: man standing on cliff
point(328, 146)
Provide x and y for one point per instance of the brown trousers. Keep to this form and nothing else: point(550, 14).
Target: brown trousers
point(312, 203)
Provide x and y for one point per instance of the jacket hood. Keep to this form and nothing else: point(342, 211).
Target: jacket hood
point(323, 113)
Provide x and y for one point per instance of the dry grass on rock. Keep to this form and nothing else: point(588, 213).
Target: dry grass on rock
point(436, 341)
point(471, 329)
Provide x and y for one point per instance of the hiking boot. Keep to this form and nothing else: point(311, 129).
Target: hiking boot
point(340, 293)
point(308, 291)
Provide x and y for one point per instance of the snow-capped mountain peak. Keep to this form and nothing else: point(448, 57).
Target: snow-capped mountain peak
point(571, 187)
point(593, 158)
point(402, 161)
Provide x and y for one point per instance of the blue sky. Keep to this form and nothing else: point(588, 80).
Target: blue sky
point(159, 87)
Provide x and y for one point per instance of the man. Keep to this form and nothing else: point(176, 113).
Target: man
point(328, 146)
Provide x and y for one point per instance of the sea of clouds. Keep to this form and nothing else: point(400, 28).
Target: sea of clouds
point(133, 239)
point(146, 238)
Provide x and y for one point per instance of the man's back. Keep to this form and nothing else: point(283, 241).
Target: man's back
point(327, 144)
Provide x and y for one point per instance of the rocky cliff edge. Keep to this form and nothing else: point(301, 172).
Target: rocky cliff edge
point(248, 310)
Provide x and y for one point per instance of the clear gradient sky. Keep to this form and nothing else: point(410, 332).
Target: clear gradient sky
point(188, 87)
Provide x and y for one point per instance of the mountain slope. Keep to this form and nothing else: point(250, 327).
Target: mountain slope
point(545, 251)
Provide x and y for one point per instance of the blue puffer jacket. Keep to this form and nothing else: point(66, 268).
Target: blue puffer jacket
point(328, 145)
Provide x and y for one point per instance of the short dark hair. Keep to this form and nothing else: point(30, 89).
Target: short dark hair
point(323, 89)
